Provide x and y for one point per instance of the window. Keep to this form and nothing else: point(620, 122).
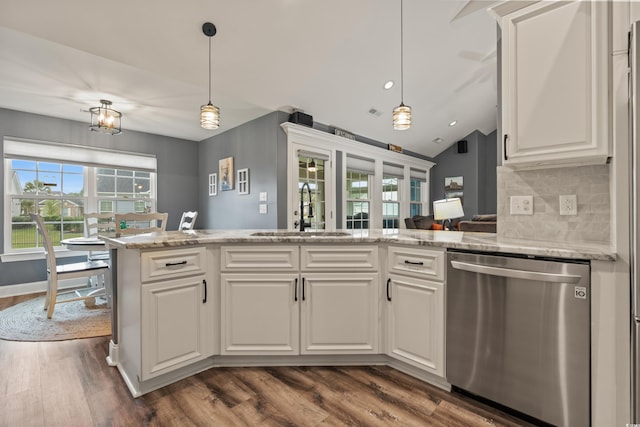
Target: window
point(316, 180)
point(358, 199)
point(61, 188)
point(391, 182)
point(417, 191)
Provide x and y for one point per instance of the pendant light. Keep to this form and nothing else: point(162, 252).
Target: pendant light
point(105, 119)
point(402, 113)
point(209, 113)
point(311, 167)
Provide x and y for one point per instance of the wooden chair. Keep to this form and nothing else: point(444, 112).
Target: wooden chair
point(96, 224)
point(55, 273)
point(188, 220)
point(138, 223)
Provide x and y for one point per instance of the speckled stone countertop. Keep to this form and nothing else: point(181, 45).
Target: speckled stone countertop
point(486, 242)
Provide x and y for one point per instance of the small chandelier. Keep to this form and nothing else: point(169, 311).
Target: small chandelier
point(402, 113)
point(209, 113)
point(105, 119)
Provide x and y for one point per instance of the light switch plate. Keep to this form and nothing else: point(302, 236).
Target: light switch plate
point(263, 196)
point(263, 208)
point(521, 205)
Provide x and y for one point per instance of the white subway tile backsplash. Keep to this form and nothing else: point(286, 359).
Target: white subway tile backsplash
point(589, 183)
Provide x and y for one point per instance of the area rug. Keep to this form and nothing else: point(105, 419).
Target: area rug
point(27, 321)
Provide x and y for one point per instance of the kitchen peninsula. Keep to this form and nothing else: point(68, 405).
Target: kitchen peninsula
point(190, 301)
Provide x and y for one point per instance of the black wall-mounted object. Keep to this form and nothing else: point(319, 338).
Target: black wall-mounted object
point(301, 119)
point(462, 146)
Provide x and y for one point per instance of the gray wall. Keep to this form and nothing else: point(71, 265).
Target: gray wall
point(261, 146)
point(177, 170)
point(478, 168)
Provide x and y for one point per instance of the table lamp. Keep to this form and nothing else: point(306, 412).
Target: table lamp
point(447, 209)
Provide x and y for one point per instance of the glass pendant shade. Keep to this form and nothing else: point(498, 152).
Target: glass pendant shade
point(209, 116)
point(402, 117)
point(105, 119)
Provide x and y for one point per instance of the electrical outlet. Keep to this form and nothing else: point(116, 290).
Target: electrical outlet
point(521, 205)
point(569, 205)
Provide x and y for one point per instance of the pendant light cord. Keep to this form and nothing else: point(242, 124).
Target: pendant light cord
point(209, 69)
point(401, 54)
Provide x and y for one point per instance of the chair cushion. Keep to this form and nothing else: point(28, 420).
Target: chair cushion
point(485, 217)
point(423, 222)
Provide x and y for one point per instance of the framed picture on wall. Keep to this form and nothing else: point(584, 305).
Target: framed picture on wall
point(453, 183)
point(226, 173)
point(454, 194)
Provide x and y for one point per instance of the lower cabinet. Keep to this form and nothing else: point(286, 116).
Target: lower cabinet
point(176, 325)
point(302, 310)
point(416, 322)
point(415, 307)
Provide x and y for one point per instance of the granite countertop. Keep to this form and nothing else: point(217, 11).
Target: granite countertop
point(487, 242)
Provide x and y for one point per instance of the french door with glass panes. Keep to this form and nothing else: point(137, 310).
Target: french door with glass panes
point(311, 188)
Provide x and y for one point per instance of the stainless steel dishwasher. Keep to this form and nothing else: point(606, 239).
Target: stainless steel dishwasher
point(518, 333)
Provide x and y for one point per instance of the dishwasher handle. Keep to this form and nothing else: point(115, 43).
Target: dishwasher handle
point(516, 274)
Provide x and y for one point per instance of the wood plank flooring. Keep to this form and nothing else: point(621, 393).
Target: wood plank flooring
point(68, 383)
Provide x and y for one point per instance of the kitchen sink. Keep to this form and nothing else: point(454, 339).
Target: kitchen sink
point(301, 233)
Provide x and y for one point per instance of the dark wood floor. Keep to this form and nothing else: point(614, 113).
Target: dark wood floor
point(68, 383)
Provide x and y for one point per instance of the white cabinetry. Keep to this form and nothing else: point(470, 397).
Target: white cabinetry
point(415, 307)
point(166, 314)
point(272, 306)
point(555, 100)
point(339, 307)
point(176, 310)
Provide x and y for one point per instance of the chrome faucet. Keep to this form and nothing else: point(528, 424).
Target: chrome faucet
point(310, 213)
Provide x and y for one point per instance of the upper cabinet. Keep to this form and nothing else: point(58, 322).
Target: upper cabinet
point(555, 103)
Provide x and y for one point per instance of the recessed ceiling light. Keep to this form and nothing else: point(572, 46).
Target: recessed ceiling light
point(437, 140)
point(453, 123)
point(389, 84)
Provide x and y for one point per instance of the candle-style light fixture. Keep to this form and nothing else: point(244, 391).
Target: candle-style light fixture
point(402, 113)
point(209, 113)
point(105, 119)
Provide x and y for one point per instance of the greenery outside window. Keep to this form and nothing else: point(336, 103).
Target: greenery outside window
point(390, 203)
point(62, 191)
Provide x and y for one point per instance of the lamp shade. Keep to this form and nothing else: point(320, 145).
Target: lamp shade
point(447, 209)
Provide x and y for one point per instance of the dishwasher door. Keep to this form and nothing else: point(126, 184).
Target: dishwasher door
point(518, 333)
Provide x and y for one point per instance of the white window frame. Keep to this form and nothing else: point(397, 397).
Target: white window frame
point(313, 139)
point(90, 158)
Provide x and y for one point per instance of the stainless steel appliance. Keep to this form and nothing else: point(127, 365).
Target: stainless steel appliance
point(518, 333)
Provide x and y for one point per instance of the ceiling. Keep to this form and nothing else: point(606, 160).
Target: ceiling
point(328, 58)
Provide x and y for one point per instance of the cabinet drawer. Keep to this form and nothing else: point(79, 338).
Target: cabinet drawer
point(337, 258)
point(423, 263)
point(172, 263)
point(259, 258)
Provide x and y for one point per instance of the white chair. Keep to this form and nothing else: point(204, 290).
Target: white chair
point(138, 223)
point(96, 224)
point(188, 220)
point(55, 273)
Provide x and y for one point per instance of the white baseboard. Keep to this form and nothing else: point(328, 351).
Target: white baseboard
point(35, 287)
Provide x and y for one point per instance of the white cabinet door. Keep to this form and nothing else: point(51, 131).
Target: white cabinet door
point(176, 324)
point(339, 313)
point(416, 322)
point(554, 84)
point(259, 314)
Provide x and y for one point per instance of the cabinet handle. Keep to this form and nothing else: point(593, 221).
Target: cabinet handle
point(388, 289)
point(505, 147)
point(406, 261)
point(295, 290)
point(204, 284)
point(171, 264)
point(303, 289)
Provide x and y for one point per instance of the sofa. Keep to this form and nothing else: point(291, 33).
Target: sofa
point(481, 223)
